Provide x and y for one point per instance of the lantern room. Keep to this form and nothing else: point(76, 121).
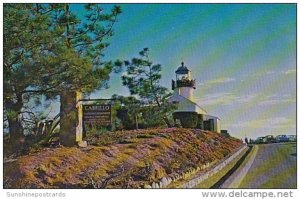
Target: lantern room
point(183, 73)
point(183, 78)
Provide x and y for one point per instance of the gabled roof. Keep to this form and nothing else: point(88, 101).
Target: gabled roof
point(180, 96)
point(195, 104)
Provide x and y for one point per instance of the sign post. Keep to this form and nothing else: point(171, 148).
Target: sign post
point(70, 120)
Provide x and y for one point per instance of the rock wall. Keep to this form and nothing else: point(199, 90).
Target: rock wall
point(212, 166)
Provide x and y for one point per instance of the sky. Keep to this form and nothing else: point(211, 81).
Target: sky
point(243, 57)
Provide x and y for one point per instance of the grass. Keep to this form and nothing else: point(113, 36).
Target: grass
point(236, 182)
point(279, 178)
point(278, 158)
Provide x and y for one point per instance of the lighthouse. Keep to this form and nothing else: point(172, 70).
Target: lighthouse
point(184, 85)
point(188, 112)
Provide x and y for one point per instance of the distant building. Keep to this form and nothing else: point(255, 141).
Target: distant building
point(184, 87)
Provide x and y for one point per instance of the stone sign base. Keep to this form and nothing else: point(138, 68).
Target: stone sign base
point(70, 118)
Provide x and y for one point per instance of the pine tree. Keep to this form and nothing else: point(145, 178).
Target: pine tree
point(25, 35)
point(142, 78)
point(83, 67)
point(49, 51)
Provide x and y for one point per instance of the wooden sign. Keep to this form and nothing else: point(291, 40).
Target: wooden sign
point(97, 114)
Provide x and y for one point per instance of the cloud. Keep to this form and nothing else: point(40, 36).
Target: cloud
point(261, 73)
point(270, 72)
point(270, 123)
point(216, 99)
point(245, 98)
point(290, 72)
point(277, 99)
point(220, 80)
point(225, 98)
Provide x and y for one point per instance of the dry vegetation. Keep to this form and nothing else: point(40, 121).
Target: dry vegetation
point(123, 159)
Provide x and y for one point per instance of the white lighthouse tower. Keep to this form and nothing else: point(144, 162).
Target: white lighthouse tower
point(184, 85)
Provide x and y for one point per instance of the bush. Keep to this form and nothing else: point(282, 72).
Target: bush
point(94, 131)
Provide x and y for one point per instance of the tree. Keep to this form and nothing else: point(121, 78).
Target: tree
point(48, 50)
point(134, 114)
point(142, 78)
point(127, 110)
point(83, 46)
point(78, 64)
point(25, 33)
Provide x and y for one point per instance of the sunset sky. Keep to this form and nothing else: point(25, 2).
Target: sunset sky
point(243, 57)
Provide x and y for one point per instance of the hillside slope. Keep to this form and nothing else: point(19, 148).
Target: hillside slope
point(123, 159)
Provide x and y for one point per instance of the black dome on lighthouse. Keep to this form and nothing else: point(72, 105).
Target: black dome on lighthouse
point(182, 69)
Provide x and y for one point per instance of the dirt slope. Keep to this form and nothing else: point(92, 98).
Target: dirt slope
point(126, 159)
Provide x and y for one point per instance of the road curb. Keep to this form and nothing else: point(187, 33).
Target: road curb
point(241, 172)
point(192, 183)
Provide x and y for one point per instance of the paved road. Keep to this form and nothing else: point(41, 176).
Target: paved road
point(274, 166)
